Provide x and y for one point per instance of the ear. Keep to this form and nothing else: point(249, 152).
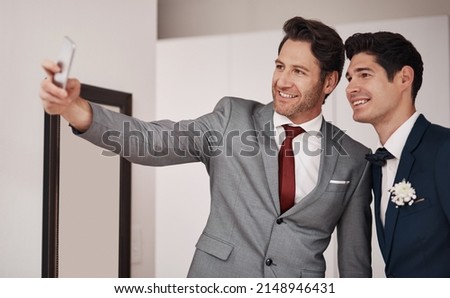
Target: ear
point(331, 81)
point(406, 76)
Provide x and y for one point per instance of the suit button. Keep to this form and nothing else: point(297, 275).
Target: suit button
point(269, 262)
point(279, 221)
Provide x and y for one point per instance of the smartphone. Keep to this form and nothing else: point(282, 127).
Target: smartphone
point(64, 61)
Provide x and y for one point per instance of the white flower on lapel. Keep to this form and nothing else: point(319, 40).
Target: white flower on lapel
point(402, 193)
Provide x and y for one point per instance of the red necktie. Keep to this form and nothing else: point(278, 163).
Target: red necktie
point(286, 168)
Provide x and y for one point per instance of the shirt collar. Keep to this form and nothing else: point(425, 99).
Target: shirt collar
point(313, 125)
point(397, 140)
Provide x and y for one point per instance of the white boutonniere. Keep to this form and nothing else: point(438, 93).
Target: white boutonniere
point(403, 193)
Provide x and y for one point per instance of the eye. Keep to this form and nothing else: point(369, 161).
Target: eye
point(299, 71)
point(365, 75)
point(279, 66)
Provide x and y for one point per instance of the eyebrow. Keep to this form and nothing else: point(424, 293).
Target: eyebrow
point(295, 66)
point(359, 69)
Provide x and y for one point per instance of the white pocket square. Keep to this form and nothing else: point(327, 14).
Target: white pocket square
point(419, 200)
point(339, 181)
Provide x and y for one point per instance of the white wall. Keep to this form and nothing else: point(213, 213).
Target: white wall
point(194, 73)
point(116, 49)
point(88, 208)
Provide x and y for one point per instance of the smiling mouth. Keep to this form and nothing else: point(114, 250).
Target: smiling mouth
point(360, 102)
point(285, 95)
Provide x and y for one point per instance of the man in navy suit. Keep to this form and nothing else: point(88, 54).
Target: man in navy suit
point(411, 186)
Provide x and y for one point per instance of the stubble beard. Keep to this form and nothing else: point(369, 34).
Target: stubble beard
point(301, 104)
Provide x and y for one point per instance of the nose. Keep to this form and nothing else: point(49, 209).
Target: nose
point(352, 88)
point(283, 79)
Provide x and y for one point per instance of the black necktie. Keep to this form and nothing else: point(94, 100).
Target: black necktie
point(379, 157)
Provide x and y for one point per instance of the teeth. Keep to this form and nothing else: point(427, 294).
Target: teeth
point(287, 95)
point(360, 102)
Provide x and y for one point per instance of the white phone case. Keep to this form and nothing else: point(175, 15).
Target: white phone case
point(64, 61)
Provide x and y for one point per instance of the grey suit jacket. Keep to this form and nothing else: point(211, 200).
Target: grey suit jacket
point(245, 235)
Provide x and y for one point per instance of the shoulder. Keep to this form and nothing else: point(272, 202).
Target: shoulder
point(439, 131)
point(423, 125)
point(231, 113)
point(438, 136)
point(239, 108)
point(230, 102)
point(342, 141)
point(433, 135)
point(429, 142)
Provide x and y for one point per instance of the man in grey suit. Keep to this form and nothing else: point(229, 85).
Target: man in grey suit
point(247, 233)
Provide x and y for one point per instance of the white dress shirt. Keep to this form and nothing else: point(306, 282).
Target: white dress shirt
point(307, 148)
point(394, 145)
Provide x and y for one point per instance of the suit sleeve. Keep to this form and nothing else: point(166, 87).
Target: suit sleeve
point(354, 231)
point(159, 143)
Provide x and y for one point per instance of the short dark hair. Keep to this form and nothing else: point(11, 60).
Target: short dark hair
point(392, 51)
point(326, 45)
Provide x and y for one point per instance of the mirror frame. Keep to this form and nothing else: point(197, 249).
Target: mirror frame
point(50, 212)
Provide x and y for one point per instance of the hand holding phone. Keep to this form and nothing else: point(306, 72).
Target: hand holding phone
point(64, 62)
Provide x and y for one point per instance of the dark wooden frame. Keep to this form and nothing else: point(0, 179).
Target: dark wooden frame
point(50, 212)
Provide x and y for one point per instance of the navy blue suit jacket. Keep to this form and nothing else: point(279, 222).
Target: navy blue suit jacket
point(415, 241)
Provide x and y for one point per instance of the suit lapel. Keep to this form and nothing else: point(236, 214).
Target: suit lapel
point(328, 159)
point(376, 180)
point(263, 120)
point(403, 172)
point(404, 168)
